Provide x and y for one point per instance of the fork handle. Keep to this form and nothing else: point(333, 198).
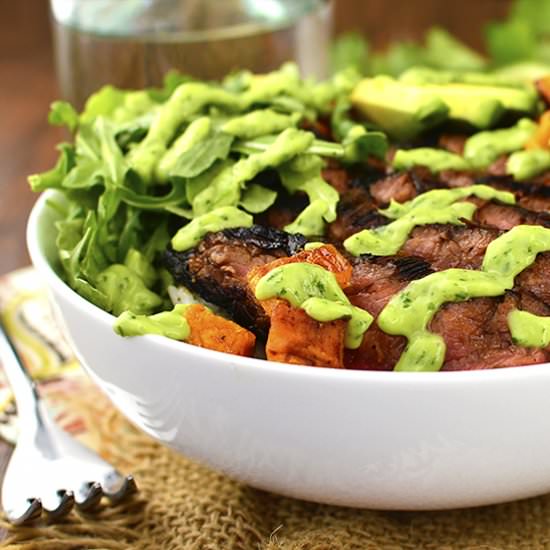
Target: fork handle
point(22, 385)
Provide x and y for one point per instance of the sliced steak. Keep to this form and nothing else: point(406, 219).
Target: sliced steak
point(445, 245)
point(217, 268)
point(505, 216)
point(476, 333)
point(356, 211)
point(374, 281)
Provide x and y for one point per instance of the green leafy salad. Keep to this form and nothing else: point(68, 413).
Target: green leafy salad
point(155, 167)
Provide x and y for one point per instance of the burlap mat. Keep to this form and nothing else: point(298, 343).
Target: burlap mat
point(183, 505)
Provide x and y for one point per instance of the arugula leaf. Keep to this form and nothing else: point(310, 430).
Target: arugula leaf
point(53, 179)
point(196, 132)
point(257, 198)
point(73, 243)
point(172, 79)
point(175, 197)
point(535, 13)
point(445, 51)
point(203, 155)
point(197, 184)
point(62, 113)
point(510, 41)
point(359, 144)
point(130, 234)
point(225, 188)
point(400, 56)
point(102, 103)
point(350, 49)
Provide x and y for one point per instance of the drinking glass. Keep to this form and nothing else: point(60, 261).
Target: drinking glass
point(133, 43)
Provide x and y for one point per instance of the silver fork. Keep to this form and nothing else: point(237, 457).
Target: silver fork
point(49, 470)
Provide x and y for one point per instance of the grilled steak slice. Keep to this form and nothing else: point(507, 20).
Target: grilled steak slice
point(533, 195)
point(399, 187)
point(217, 268)
point(444, 245)
point(475, 331)
point(477, 336)
point(535, 280)
point(505, 216)
point(356, 211)
point(374, 281)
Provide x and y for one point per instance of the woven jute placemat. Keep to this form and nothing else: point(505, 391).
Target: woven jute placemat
point(183, 505)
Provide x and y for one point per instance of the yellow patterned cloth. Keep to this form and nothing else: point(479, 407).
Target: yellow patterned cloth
point(183, 505)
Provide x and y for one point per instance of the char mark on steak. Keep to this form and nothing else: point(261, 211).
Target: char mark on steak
point(217, 268)
point(475, 331)
point(446, 246)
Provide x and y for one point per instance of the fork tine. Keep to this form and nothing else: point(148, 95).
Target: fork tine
point(64, 507)
point(33, 511)
point(89, 496)
point(127, 487)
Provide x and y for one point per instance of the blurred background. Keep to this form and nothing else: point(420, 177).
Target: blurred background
point(28, 82)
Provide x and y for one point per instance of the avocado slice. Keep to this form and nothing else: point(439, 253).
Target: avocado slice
point(469, 104)
point(401, 110)
point(426, 75)
point(404, 108)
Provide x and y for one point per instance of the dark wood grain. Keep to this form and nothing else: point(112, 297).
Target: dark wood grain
point(27, 143)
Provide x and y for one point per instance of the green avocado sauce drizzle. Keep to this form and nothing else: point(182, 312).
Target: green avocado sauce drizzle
point(437, 206)
point(225, 189)
point(410, 311)
point(523, 165)
point(436, 160)
point(480, 150)
point(316, 291)
point(220, 218)
point(171, 324)
point(303, 173)
point(529, 330)
point(483, 148)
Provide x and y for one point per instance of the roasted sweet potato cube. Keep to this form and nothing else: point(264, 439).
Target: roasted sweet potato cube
point(211, 331)
point(325, 256)
point(541, 137)
point(543, 87)
point(296, 338)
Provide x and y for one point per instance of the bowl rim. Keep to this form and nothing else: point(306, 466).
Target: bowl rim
point(54, 281)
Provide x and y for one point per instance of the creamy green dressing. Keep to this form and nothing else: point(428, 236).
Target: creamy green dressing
point(313, 245)
point(410, 311)
point(190, 98)
point(125, 290)
point(141, 266)
point(436, 160)
point(220, 218)
point(171, 324)
point(484, 148)
point(437, 206)
point(303, 173)
point(193, 134)
point(523, 165)
point(317, 292)
point(186, 100)
point(528, 330)
point(259, 123)
point(225, 189)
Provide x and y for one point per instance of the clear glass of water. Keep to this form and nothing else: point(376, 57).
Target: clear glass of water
point(133, 43)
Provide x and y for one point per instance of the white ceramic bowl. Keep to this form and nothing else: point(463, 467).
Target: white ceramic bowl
point(384, 440)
